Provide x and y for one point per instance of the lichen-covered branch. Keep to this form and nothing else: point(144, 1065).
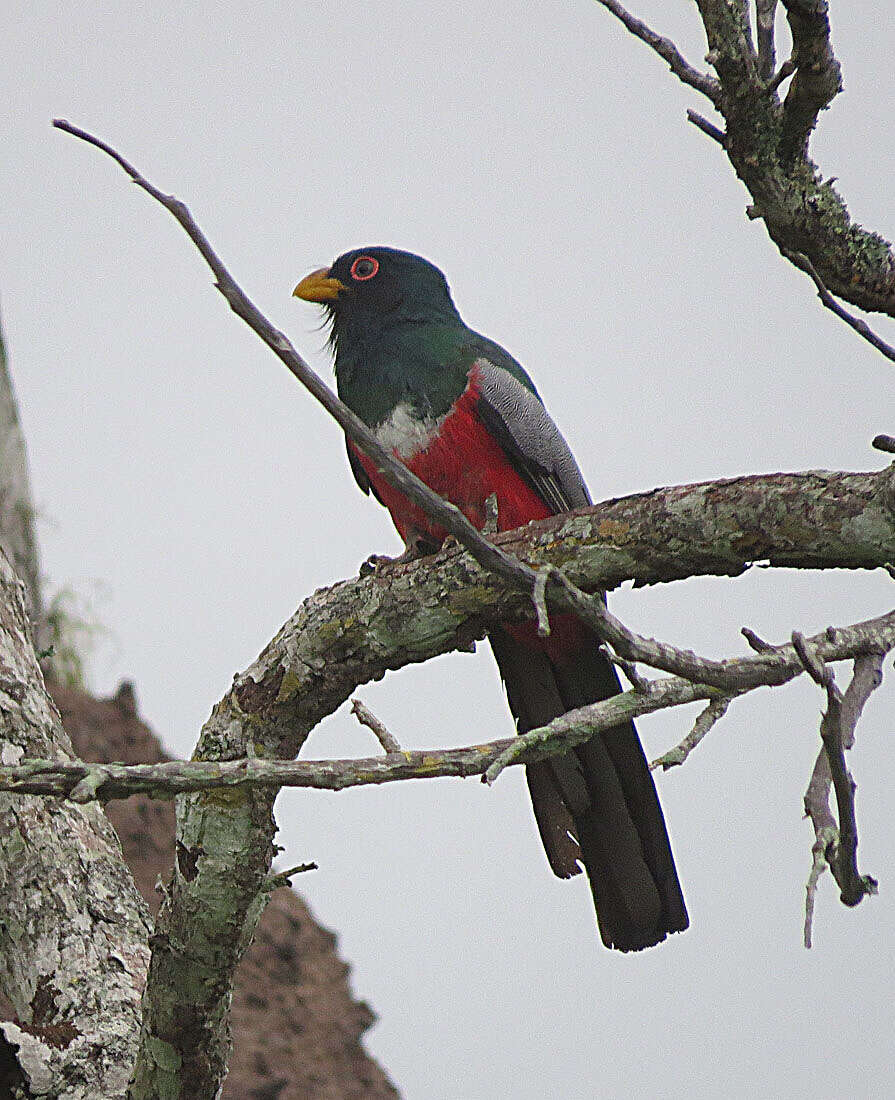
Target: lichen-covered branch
point(73, 929)
point(774, 666)
point(817, 79)
point(766, 142)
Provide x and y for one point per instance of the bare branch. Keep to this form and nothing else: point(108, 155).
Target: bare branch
point(715, 711)
point(758, 644)
point(801, 261)
point(837, 846)
point(707, 127)
point(667, 50)
point(725, 676)
point(638, 682)
point(818, 866)
point(817, 79)
point(765, 11)
point(367, 718)
point(283, 878)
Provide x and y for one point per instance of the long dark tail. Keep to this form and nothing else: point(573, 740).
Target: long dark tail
point(597, 804)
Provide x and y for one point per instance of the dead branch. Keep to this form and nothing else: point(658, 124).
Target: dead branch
point(836, 845)
point(712, 714)
point(667, 50)
point(864, 330)
point(367, 718)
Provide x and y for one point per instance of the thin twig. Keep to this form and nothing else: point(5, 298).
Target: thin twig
point(629, 668)
point(667, 50)
point(837, 845)
point(758, 644)
point(707, 127)
point(281, 878)
point(715, 711)
point(539, 598)
point(801, 261)
point(367, 718)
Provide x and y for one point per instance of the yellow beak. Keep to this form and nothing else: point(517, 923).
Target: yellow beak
point(319, 286)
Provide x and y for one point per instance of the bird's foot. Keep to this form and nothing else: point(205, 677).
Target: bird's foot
point(377, 563)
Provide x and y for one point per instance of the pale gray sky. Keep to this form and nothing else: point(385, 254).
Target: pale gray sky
point(541, 157)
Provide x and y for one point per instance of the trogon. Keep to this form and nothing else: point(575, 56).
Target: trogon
point(464, 416)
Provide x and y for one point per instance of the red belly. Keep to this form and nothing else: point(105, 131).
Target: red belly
point(465, 465)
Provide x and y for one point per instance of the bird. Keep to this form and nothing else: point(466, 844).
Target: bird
point(463, 415)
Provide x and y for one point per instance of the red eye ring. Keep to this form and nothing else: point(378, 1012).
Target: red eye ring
point(364, 267)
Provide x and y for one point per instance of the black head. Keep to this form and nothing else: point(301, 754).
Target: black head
point(379, 285)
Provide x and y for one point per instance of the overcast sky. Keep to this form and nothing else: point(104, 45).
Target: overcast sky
point(193, 493)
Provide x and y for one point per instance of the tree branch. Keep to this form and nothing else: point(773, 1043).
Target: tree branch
point(766, 143)
point(667, 50)
point(765, 11)
point(367, 718)
point(817, 80)
point(712, 714)
point(861, 327)
point(834, 846)
point(776, 665)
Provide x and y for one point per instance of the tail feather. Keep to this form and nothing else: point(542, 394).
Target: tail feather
point(597, 804)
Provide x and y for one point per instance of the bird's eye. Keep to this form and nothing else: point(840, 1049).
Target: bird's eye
point(364, 267)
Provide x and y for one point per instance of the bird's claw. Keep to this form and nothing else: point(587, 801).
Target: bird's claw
point(374, 563)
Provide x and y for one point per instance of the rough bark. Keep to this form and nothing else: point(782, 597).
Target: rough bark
point(73, 929)
point(17, 537)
